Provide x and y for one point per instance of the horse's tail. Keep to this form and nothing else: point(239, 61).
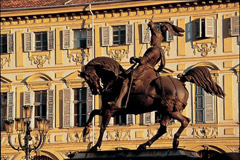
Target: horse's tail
point(202, 78)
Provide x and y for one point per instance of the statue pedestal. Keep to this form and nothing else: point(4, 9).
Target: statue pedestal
point(149, 154)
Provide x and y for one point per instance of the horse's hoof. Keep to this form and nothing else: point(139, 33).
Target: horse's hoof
point(175, 144)
point(86, 131)
point(93, 149)
point(141, 147)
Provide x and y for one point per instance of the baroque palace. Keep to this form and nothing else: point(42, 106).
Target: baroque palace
point(44, 43)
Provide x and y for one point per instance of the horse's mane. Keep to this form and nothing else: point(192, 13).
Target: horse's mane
point(107, 64)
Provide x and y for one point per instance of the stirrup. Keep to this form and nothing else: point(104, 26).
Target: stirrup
point(112, 103)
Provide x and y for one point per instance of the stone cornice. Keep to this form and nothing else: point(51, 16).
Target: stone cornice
point(128, 9)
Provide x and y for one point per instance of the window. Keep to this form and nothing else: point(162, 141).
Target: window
point(3, 43)
point(80, 38)
point(40, 41)
point(117, 35)
point(204, 27)
point(204, 106)
point(6, 43)
point(3, 110)
point(82, 106)
point(76, 38)
point(7, 107)
point(40, 105)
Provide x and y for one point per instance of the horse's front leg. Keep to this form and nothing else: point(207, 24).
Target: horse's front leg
point(106, 116)
point(86, 129)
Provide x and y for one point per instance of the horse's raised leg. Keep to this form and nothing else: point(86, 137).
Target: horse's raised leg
point(87, 126)
point(162, 130)
point(106, 116)
point(184, 123)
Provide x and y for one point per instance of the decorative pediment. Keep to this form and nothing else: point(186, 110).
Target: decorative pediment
point(39, 81)
point(74, 81)
point(209, 65)
point(6, 84)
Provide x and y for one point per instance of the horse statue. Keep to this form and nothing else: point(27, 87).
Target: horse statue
point(164, 94)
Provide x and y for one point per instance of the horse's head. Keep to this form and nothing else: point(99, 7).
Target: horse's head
point(158, 35)
point(92, 79)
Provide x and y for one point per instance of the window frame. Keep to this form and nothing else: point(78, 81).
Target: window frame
point(3, 45)
point(43, 41)
point(79, 39)
point(202, 27)
point(204, 95)
point(121, 35)
point(40, 105)
point(3, 117)
point(81, 101)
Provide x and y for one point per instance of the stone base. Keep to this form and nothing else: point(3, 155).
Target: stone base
point(150, 154)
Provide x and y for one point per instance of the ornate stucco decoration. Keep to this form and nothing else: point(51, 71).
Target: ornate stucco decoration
point(205, 132)
point(5, 59)
point(118, 54)
point(39, 60)
point(204, 49)
point(78, 56)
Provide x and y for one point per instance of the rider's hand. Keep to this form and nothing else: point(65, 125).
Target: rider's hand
point(150, 24)
point(134, 60)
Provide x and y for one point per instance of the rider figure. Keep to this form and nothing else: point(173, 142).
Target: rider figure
point(150, 58)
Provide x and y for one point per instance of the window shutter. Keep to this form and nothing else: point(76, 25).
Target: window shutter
point(199, 102)
point(66, 107)
point(28, 41)
point(235, 26)
point(147, 118)
point(27, 98)
point(50, 40)
point(107, 36)
point(129, 34)
point(67, 35)
point(198, 28)
point(10, 43)
point(10, 105)
point(146, 33)
point(209, 27)
point(209, 108)
point(50, 107)
point(89, 38)
point(130, 119)
point(89, 102)
point(169, 36)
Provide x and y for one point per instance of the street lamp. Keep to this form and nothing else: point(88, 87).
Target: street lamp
point(23, 126)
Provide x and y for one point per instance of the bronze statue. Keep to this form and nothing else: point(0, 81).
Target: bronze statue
point(164, 94)
point(145, 72)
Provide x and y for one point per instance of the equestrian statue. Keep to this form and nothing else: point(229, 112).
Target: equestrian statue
point(142, 89)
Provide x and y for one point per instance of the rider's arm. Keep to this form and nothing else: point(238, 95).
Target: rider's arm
point(162, 63)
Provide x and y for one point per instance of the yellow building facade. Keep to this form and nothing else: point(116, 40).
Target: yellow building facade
point(43, 49)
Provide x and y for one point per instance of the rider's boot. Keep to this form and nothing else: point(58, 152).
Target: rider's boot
point(123, 92)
